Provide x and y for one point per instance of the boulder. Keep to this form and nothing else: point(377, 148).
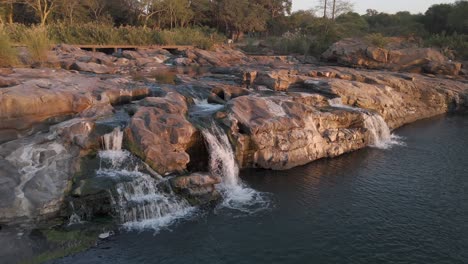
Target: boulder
point(279, 132)
point(197, 188)
point(160, 133)
point(35, 177)
point(279, 80)
point(6, 82)
point(357, 53)
point(92, 67)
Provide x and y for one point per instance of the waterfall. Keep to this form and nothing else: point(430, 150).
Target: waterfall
point(380, 132)
point(142, 204)
point(113, 140)
point(139, 200)
point(74, 217)
point(236, 195)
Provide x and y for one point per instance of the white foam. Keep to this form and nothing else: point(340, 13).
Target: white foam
point(382, 137)
point(236, 195)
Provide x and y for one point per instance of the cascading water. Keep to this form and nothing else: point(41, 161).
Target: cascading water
point(236, 195)
point(140, 201)
point(381, 135)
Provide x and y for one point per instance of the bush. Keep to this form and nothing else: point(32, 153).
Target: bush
point(107, 34)
point(452, 45)
point(376, 39)
point(8, 54)
point(38, 44)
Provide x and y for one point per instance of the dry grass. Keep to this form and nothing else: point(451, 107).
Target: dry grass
point(8, 54)
point(37, 43)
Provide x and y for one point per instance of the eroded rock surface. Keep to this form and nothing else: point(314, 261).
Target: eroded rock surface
point(160, 133)
point(358, 53)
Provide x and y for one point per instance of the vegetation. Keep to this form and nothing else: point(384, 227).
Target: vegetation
point(377, 39)
point(8, 56)
point(38, 44)
point(205, 22)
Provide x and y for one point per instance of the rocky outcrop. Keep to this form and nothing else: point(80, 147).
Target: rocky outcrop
point(358, 53)
point(36, 171)
point(282, 132)
point(45, 97)
point(198, 188)
point(286, 117)
point(92, 67)
point(160, 133)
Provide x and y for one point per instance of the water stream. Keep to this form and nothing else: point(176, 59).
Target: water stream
point(236, 194)
point(140, 200)
point(381, 135)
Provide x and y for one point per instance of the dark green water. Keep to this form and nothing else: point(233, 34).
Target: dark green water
point(408, 204)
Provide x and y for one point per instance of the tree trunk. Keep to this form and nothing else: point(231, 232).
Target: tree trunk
point(334, 10)
point(10, 13)
point(325, 9)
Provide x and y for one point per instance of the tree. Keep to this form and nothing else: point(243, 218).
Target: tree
point(150, 8)
point(339, 7)
point(71, 9)
point(7, 8)
point(436, 18)
point(96, 8)
point(42, 8)
point(458, 18)
point(242, 16)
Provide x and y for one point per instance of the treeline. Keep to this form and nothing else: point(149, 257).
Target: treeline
point(230, 17)
point(312, 31)
point(183, 21)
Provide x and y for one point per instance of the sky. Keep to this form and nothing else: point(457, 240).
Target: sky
point(387, 6)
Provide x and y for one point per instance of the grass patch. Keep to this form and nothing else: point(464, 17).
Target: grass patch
point(107, 34)
point(377, 39)
point(38, 44)
point(8, 54)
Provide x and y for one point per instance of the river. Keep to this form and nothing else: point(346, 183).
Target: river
point(406, 204)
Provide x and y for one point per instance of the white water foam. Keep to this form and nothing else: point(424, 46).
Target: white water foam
point(382, 137)
point(140, 201)
point(236, 195)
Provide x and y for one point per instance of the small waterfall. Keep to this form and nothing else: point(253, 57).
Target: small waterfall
point(381, 135)
point(74, 217)
point(140, 201)
point(142, 204)
point(112, 144)
point(236, 195)
point(113, 140)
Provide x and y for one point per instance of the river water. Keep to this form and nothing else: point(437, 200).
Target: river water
point(406, 204)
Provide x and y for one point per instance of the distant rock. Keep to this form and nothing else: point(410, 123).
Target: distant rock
point(357, 53)
point(92, 67)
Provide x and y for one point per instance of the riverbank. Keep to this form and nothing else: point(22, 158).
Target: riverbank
point(142, 138)
point(367, 206)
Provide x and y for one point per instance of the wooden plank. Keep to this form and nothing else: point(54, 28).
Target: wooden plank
point(115, 47)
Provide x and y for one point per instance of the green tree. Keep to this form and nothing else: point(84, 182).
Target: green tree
point(436, 18)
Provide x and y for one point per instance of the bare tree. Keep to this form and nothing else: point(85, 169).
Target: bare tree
point(150, 8)
point(69, 8)
point(43, 8)
point(333, 9)
point(7, 6)
point(338, 7)
point(325, 9)
point(96, 7)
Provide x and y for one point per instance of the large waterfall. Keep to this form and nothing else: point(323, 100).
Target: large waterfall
point(236, 195)
point(381, 135)
point(141, 201)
